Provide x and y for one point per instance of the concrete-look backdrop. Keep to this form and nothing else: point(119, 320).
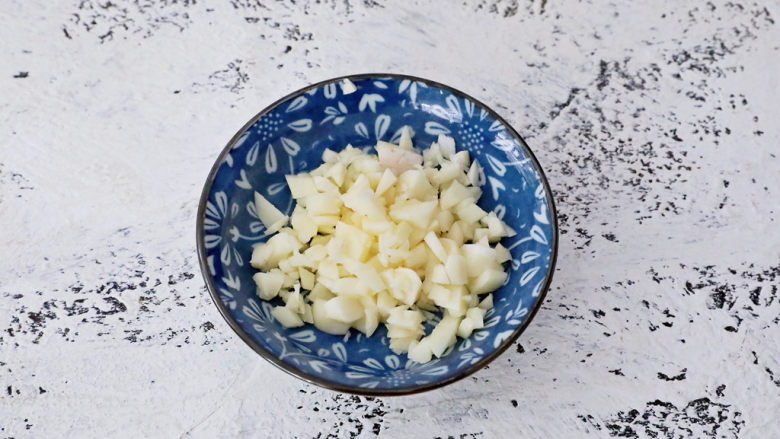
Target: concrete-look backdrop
point(657, 125)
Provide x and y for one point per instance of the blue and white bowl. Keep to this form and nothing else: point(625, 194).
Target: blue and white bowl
point(289, 137)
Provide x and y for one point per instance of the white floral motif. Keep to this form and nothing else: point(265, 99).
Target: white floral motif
point(268, 126)
point(361, 129)
point(471, 136)
point(381, 125)
point(335, 114)
point(435, 128)
point(300, 126)
point(251, 156)
point(412, 87)
point(227, 298)
point(330, 90)
point(296, 104)
point(241, 139)
point(290, 146)
point(370, 100)
point(243, 182)
point(305, 336)
point(215, 214)
point(270, 159)
point(514, 317)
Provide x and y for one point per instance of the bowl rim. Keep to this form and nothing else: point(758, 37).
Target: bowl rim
point(332, 385)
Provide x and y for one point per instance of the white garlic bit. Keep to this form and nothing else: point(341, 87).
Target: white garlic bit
point(385, 239)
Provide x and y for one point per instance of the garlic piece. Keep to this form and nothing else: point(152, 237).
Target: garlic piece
point(385, 239)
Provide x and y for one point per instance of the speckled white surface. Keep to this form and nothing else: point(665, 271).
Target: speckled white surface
point(655, 121)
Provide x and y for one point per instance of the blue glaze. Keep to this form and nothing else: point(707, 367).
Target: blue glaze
point(289, 137)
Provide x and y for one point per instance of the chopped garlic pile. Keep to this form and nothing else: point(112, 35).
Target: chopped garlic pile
point(386, 238)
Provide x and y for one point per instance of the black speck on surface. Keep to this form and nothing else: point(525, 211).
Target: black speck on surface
point(233, 77)
point(353, 414)
point(700, 418)
point(610, 237)
point(21, 75)
point(679, 377)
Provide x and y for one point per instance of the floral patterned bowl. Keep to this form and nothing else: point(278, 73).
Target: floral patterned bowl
point(288, 137)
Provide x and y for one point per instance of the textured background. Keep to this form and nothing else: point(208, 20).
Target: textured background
point(655, 121)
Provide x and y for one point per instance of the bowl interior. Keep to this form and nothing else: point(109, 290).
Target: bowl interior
point(290, 137)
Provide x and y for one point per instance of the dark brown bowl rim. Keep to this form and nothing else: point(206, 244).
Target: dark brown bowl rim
point(312, 379)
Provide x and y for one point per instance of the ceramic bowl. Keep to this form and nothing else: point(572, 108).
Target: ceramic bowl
point(289, 137)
